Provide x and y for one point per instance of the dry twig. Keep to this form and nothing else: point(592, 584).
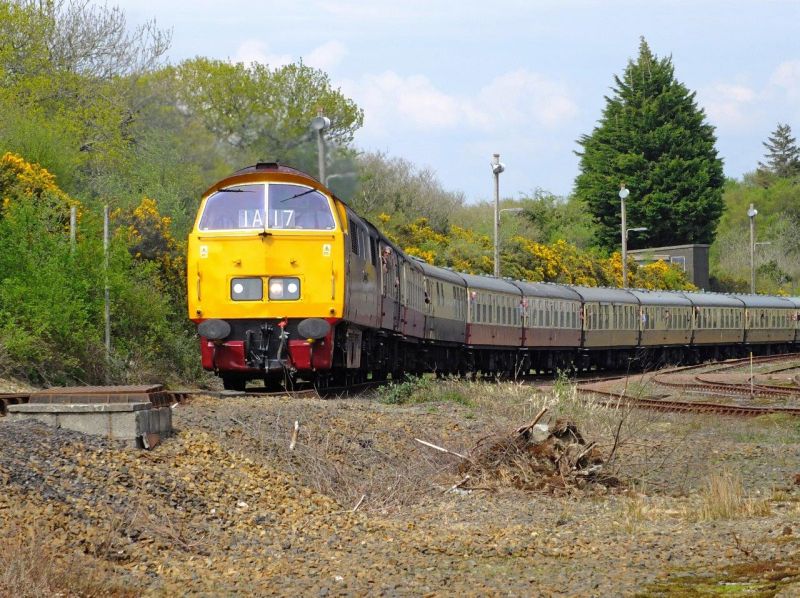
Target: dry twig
point(443, 450)
point(533, 422)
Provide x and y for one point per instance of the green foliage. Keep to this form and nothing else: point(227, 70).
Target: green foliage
point(399, 393)
point(396, 188)
point(777, 223)
point(52, 294)
point(422, 390)
point(555, 218)
point(265, 113)
point(653, 138)
point(69, 67)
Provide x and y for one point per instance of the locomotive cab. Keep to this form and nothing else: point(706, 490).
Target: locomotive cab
point(265, 256)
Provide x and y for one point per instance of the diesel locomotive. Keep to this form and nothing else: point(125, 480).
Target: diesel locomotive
point(287, 283)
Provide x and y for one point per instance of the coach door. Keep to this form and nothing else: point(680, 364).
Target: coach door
point(390, 288)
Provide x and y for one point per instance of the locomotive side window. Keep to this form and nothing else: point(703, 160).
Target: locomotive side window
point(296, 207)
point(353, 236)
point(234, 208)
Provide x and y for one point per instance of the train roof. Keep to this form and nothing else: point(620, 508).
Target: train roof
point(489, 283)
point(547, 290)
point(765, 301)
point(442, 274)
point(795, 301)
point(660, 298)
point(605, 295)
point(712, 299)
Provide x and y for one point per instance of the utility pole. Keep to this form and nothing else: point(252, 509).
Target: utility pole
point(497, 168)
point(623, 193)
point(107, 317)
point(751, 213)
point(319, 124)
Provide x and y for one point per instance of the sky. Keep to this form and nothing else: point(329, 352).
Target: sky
point(446, 84)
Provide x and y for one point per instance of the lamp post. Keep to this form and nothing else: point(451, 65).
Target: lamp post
point(320, 124)
point(497, 168)
point(338, 175)
point(513, 210)
point(751, 213)
point(637, 229)
point(623, 194)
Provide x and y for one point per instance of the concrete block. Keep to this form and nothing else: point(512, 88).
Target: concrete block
point(86, 422)
point(164, 421)
point(119, 421)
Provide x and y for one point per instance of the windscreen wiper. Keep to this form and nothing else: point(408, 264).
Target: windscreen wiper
point(298, 195)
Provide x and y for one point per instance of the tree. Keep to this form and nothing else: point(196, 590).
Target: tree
point(653, 138)
point(263, 113)
point(783, 155)
point(68, 72)
point(396, 187)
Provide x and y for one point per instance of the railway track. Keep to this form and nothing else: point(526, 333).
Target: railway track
point(704, 384)
point(304, 390)
point(671, 405)
point(95, 394)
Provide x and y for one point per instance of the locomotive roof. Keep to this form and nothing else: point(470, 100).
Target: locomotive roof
point(605, 295)
point(488, 283)
point(442, 274)
point(765, 301)
point(660, 298)
point(256, 173)
point(547, 290)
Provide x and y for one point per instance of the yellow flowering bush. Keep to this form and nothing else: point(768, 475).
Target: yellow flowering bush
point(467, 251)
point(20, 178)
point(149, 237)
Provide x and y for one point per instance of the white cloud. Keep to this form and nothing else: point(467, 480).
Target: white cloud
point(729, 105)
point(510, 101)
point(521, 97)
point(253, 50)
point(787, 78)
point(323, 57)
point(326, 56)
point(739, 107)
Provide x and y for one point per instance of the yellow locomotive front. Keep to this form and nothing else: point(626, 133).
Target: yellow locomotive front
point(265, 277)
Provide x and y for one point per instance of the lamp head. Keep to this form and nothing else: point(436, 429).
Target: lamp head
point(320, 123)
point(751, 212)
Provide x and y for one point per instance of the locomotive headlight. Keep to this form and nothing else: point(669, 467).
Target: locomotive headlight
point(284, 289)
point(247, 289)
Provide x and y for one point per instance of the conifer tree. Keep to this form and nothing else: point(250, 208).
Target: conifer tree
point(783, 155)
point(653, 138)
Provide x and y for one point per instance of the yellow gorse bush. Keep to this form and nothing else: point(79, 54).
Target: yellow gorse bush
point(467, 251)
point(149, 235)
point(20, 178)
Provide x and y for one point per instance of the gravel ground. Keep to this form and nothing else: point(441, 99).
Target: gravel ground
point(225, 508)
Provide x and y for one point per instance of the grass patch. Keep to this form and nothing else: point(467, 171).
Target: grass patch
point(762, 579)
point(414, 391)
point(724, 497)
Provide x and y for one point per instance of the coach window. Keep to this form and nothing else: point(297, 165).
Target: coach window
point(234, 208)
point(296, 207)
